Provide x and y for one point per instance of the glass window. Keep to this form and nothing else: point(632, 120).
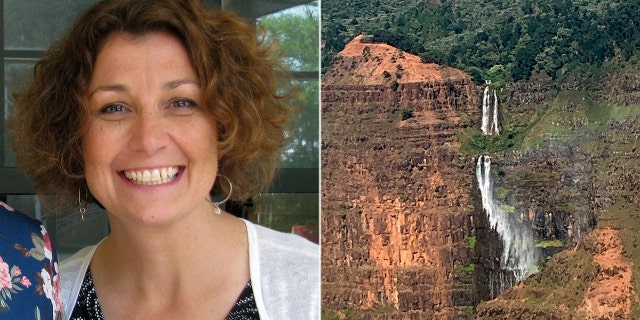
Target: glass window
point(295, 206)
point(298, 36)
point(33, 24)
point(303, 149)
point(16, 76)
point(288, 212)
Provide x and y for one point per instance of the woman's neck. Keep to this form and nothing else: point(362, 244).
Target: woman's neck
point(200, 254)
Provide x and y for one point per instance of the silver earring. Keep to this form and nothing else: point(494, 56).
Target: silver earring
point(83, 210)
point(217, 204)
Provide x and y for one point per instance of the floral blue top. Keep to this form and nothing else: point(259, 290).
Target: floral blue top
point(29, 281)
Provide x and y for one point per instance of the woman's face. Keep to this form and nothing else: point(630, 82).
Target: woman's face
point(149, 148)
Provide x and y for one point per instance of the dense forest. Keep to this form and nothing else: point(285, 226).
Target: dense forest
point(492, 39)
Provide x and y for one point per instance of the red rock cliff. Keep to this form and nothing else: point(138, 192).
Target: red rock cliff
point(398, 221)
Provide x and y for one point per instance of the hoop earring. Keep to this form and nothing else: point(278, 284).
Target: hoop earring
point(82, 210)
point(217, 204)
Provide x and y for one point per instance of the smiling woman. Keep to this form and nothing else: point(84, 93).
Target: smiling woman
point(145, 116)
point(145, 108)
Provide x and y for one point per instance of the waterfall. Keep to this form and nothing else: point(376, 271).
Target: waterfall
point(494, 127)
point(519, 254)
point(489, 115)
point(485, 111)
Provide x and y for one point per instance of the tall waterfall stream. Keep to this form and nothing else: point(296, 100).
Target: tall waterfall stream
point(519, 254)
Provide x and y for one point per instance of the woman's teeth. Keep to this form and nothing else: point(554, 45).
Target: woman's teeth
point(153, 176)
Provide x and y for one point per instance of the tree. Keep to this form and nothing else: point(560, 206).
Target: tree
point(498, 75)
point(298, 37)
point(299, 40)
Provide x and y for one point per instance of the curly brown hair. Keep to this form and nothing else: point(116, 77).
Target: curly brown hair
point(236, 70)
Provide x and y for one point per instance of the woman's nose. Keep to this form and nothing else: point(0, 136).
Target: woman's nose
point(148, 133)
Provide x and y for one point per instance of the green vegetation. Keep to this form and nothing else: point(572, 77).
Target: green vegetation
point(475, 143)
point(566, 278)
point(501, 194)
point(336, 315)
point(342, 210)
point(468, 268)
point(550, 244)
point(508, 209)
point(491, 40)
point(407, 113)
point(574, 118)
point(472, 242)
point(468, 310)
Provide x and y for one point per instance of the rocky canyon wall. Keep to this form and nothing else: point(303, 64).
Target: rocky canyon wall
point(399, 216)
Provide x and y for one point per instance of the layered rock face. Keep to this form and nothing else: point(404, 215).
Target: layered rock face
point(399, 221)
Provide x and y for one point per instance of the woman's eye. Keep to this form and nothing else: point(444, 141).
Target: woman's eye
point(183, 103)
point(112, 108)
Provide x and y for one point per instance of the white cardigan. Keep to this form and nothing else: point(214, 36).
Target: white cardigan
point(284, 270)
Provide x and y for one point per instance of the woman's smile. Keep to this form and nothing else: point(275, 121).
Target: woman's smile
point(154, 176)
